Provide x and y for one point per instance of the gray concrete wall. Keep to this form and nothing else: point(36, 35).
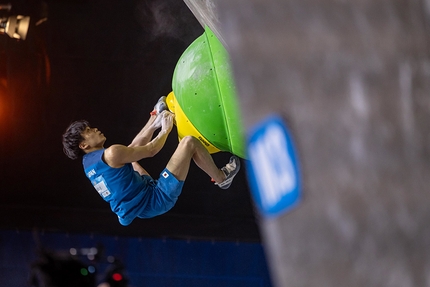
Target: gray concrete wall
point(352, 79)
point(206, 12)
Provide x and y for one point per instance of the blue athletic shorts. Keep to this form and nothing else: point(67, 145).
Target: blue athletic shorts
point(165, 193)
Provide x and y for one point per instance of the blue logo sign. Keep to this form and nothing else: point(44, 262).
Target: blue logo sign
point(272, 167)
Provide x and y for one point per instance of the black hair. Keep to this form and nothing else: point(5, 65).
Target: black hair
point(73, 137)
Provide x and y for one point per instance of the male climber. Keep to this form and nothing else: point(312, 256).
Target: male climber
point(120, 180)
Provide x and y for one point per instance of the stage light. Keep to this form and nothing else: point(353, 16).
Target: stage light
point(84, 271)
point(15, 26)
point(117, 276)
point(6, 6)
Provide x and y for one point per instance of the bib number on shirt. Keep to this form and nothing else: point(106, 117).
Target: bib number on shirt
point(99, 184)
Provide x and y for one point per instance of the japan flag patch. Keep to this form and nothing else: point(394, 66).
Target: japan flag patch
point(165, 174)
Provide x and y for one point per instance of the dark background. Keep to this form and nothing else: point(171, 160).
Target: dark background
point(107, 62)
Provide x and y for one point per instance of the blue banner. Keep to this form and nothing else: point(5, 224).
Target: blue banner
point(273, 171)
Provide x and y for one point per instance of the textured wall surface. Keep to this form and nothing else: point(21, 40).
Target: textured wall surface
point(206, 12)
point(352, 78)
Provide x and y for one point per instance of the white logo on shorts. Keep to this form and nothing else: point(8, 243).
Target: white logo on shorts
point(165, 174)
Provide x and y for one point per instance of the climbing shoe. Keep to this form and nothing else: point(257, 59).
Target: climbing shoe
point(160, 106)
point(230, 170)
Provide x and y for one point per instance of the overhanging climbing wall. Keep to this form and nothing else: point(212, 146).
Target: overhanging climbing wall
point(206, 12)
point(352, 82)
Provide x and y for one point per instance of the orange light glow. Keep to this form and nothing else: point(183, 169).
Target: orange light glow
point(3, 98)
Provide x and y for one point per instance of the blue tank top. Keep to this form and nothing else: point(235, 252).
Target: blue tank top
point(123, 188)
